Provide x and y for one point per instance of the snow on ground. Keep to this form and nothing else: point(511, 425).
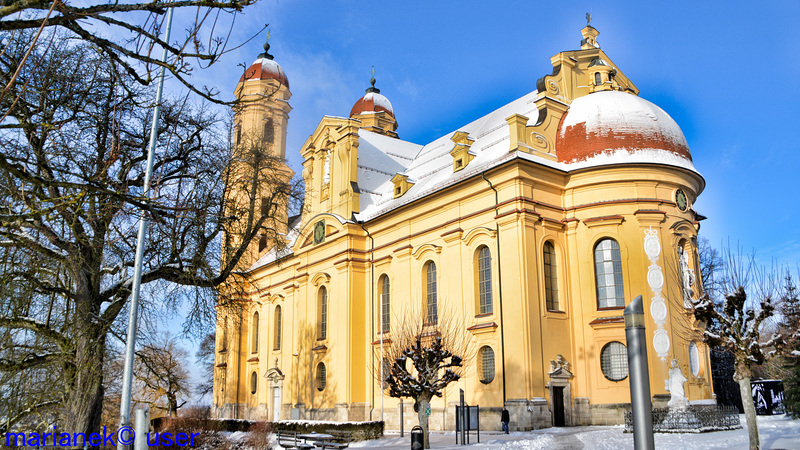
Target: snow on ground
point(777, 432)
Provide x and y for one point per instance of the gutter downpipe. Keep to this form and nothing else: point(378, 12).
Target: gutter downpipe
point(372, 322)
point(500, 290)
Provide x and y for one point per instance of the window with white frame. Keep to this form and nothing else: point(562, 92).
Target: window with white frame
point(608, 274)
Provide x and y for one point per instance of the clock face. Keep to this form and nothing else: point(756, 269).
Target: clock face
point(319, 232)
point(681, 200)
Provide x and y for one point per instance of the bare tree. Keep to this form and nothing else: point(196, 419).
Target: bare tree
point(205, 359)
point(71, 182)
point(739, 323)
point(436, 351)
point(711, 265)
point(128, 34)
point(160, 376)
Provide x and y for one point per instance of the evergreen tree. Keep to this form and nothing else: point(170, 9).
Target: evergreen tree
point(790, 309)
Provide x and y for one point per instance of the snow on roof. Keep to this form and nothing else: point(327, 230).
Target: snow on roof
point(432, 170)
point(379, 159)
point(432, 167)
point(275, 253)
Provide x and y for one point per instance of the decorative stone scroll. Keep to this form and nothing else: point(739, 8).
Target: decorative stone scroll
point(658, 306)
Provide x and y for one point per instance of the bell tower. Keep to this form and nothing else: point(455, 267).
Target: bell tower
point(259, 183)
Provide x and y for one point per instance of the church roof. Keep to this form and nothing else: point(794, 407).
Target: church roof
point(431, 168)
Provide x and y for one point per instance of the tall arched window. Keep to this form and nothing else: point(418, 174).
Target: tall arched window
point(486, 364)
point(322, 313)
point(608, 273)
point(269, 131)
point(430, 293)
point(550, 277)
point(322, 377)
point(384, 284)
point(484, 268)
point(276, 345)
point(223, 343)
point(254, 333)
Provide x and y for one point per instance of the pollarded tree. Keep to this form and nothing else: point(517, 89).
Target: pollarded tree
point(71, 181)
point(436, 352)
point(738, 324)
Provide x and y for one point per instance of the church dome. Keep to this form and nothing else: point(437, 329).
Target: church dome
point(373, 101)
point(265, 68)
point(616, 126)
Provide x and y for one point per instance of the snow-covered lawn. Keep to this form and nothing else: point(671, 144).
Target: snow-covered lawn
point(777, 432)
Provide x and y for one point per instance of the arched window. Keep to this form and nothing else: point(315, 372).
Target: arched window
point(223, 343)
point(322, 313)
point(484, 268)
point(597, 79)
point(276, 345)
point(614, 361)
point(253, 382)
point(430, 293)
point(254, 333)
point(238, 134)
point(322, 377)
point(694, 359)
point(269, 131)
point(608, 273)
point(550, 277)
point(486, 364)
point(384, 285)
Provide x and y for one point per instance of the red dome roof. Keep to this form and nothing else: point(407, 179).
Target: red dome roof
point(610, 123)
point(372, 102)
point(263, 69)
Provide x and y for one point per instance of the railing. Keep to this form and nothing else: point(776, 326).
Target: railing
point(699, 420)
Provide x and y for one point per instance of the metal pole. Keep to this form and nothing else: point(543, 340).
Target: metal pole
point(642, 408)
point(380, 336)
point(401, 417)
point(125, 406)
point(142, 427)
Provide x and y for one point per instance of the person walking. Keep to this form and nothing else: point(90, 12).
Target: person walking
point(504, 419)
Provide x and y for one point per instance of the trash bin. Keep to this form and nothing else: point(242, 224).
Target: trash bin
point(417, 438)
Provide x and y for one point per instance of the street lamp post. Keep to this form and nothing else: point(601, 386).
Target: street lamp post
point(642, 409)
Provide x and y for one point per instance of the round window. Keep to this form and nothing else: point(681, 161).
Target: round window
point(486, 364)
point(694, 359)
point(614, 361)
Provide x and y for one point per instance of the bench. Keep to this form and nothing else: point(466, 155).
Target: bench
point(288, 439)
point(341, 439)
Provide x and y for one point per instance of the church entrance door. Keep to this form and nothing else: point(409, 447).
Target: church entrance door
point(276, 403)
point(558, 406)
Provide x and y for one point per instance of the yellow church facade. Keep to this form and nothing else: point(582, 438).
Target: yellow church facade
point(530, 228)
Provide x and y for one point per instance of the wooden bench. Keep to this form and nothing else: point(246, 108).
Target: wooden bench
point(288, 439)
point(341, 439)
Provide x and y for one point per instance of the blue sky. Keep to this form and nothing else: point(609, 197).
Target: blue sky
point(727, 72)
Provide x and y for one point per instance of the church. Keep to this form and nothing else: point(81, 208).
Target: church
point(530, 229)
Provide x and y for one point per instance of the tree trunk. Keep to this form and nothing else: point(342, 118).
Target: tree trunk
point(423, 420)
point(84, 404)
point(172, 401)
point(749, 412)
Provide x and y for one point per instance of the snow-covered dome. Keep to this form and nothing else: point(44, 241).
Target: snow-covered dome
point(612, 125)
point(265, 68)
point(373, 101)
